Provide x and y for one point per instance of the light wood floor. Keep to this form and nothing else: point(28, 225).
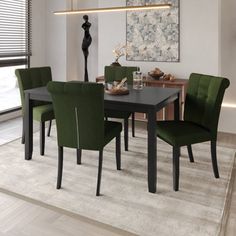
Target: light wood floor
point(21, 216)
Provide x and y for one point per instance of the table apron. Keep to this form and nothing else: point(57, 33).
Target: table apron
point(139, 107)
point(38, 97)
point(169, 100)
point(126, 107)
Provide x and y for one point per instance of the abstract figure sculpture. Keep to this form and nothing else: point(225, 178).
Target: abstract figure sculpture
point(87, 40)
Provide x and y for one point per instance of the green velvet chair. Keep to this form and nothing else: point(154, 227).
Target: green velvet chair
point(117, 73)
point(79, 112)
point(42, 112)
point(201, 114)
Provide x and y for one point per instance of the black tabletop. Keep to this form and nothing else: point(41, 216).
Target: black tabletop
point(147, 97)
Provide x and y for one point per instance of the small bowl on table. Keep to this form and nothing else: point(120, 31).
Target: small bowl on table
point(156, 76)
point(110, 88)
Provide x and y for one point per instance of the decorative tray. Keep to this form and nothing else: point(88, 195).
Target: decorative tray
point(156, 76)
point(121, 91)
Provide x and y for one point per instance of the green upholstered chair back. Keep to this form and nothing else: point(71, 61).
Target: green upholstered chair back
point(79, 113)
point(203, 100)
point(32, 78)
point(117, 73)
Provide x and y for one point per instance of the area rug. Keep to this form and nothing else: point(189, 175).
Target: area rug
point(197, 209)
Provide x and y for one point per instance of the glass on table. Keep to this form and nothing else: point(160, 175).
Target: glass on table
point(137, 80)
point(145, 79)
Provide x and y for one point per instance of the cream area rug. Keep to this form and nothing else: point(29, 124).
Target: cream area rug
point(197, 209)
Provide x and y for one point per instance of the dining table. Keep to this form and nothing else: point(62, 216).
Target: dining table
point(148, 100)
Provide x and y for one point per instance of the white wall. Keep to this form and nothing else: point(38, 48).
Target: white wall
point(49, 37)
point(55, 55)
point(228, 46)
point(73, 48)
point(75, 34)
point(198, 38)
point(38, 33)
point(228, 63)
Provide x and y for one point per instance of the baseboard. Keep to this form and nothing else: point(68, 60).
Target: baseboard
point(227, 120)
point(10, 115)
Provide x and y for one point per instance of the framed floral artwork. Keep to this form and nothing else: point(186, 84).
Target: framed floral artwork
point(153, 35)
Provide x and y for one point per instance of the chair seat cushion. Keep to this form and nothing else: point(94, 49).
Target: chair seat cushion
point(117, 114)
point(181, 133)
point(112, 129)
point(43, 113)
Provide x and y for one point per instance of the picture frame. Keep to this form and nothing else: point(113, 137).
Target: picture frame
point(153, 35)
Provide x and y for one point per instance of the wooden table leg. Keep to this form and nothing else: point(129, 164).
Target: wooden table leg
point(28, 127)
point(152, 147)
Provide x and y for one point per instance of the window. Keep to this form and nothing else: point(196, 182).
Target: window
point(15, 48)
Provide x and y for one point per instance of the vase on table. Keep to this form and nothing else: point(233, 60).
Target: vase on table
point(115, 63)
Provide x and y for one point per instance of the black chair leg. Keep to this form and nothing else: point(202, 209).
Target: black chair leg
point(190, 153)
point(23, 138)
point(49, 128)
point(79, 153)
point(60, 167)
point(23, 133)
point(176, 154)
point(133, 124)
point(42, 138)
point(118, 159)
point(99, 172)
point(214, 159)
point(126, 132)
